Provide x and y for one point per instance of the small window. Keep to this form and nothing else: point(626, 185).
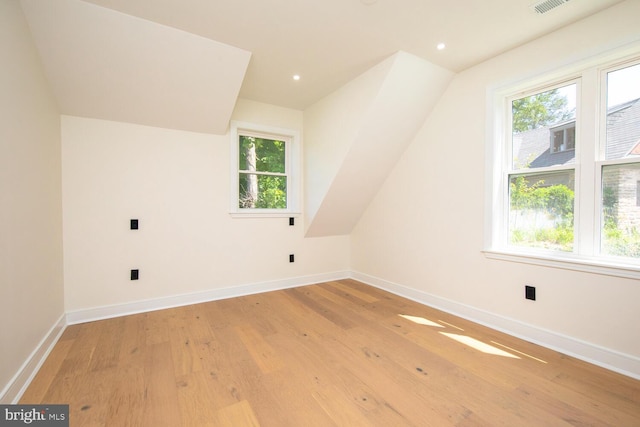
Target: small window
point(265, 181)
point(262, 169)
point(563, 138)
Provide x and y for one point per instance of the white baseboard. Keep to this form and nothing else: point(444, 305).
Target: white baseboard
point(21, 380)
point(107, 312)
point(610, 359)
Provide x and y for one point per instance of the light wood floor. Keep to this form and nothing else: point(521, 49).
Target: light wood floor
point(333, 354)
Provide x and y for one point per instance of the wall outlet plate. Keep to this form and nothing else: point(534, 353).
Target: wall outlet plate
point(530, 292)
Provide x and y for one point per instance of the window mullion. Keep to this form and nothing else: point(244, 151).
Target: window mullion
point(586, 197)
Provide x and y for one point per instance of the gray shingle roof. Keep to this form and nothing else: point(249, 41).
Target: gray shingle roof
point(532, 147)
point(623, 129)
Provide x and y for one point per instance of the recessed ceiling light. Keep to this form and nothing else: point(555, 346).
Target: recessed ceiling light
point(440, 46)
point(296, 77)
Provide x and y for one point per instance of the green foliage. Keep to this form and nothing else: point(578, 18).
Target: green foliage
point(269, 154)
point(619, 237)
point(620, 243)
point(555, 202)
point(539, 110)
point(261, 190)
point(610, 207)
point(272, 192)
point(615, 240)
point(558, 201)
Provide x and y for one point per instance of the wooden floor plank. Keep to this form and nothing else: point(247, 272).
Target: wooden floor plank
point(238, 414)
point(161, 406)
point(263, 354)
point(47, 373)
point(332, 354)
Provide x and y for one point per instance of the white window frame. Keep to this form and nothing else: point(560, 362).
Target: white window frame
point(590, 75)
point(292, 169)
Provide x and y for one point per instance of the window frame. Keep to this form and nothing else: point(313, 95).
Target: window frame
point(589, 160)
point(509, 170)
point(291, 138)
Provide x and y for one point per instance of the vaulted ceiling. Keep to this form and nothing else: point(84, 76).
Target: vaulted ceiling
point(183, 63)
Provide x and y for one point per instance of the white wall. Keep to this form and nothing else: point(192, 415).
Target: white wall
point(31, 291)
point(177, 184)
point(424, 230)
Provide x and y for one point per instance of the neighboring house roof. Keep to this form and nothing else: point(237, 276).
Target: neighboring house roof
point(533, 147)
point(623, 129)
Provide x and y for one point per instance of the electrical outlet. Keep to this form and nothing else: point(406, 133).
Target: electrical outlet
point(292, 221)
point(135, 274)
point(530, 292)
point(291, 258)
point(134, 224)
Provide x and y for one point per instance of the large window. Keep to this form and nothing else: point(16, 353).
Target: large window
point(542, 176)
point(620, 170)
point(568, 157)
point(265, 181)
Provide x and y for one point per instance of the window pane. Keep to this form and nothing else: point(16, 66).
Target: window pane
point(544, 129)
point(570, 138)
point(623, 113)
point(541, 210)
point(620, 210)
point(261, 154)
point(262, 191)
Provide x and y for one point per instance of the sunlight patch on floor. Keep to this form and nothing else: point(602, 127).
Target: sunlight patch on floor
point(421, 320)
point(449, 324)
point(519, 352)
point(479, 345)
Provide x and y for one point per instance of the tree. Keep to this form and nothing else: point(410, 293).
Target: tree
point(249, 196)
point(539, 110)
point(263, 183)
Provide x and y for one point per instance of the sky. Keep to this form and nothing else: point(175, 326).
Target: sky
point(624, 85)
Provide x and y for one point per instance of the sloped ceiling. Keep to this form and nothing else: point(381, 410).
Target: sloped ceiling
point(186, 57)
point(108, 65)
point(331, 42)
point(347, 162)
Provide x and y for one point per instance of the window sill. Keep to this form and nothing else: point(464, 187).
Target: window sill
point(605, 267)
point(264, 214)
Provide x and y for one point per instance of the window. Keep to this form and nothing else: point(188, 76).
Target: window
point(620, 169)
point(265, 171)
point(541, 184)
point(568, 155)
point(563, 138)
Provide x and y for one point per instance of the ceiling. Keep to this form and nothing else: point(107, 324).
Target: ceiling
point(183, 63)
point(329, 42)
